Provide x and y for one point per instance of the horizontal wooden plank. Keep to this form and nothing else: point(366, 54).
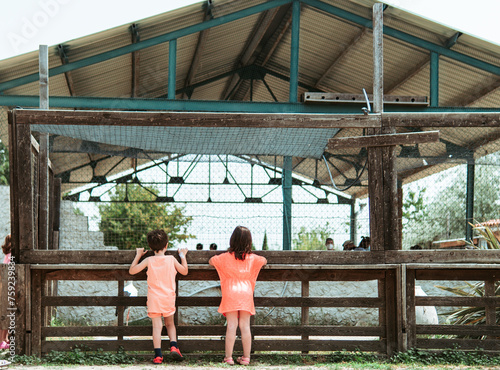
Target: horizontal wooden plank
point(60, 301)
point(465, 344)
point(462, 119)
point(267, 274)
point(195, 119)
point(197, 345)
point(458, 274)
point(328, 97)
point(88, 257)
point(297, 258)
point(443, 256)
point(212, 330)
point(457, 301)
point(410, 138)
point(459, 329)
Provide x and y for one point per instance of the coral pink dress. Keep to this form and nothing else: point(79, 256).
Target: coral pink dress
point(237, 280)
point(161, 285)
point(6, 259)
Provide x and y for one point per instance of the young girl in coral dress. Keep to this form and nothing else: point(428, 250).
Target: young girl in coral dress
point(161, 289)
point(238, 269)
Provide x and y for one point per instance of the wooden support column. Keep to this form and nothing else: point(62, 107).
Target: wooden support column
point(382, 179)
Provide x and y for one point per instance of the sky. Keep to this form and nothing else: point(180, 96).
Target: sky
point(29, 23)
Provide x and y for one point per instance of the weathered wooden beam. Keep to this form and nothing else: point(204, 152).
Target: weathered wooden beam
point(383, 140)
point(176, 119)
point(441, 119)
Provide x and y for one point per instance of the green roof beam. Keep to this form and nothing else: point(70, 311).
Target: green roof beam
point(215, 105)
point(146, 43)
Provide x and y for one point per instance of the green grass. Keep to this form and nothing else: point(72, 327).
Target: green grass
point(413, 359)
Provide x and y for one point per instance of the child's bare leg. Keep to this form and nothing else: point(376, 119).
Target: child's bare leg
point(232, 325)
point(157, 326)
point(170, 325)
point(246, 334)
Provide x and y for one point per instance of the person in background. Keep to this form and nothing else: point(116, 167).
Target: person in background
point(329, 244)
point(6, 249)
point(161, 288)
point(213, 247)
point(238, 270)
point(364, 244)
point(199, 247)
point(348, 245)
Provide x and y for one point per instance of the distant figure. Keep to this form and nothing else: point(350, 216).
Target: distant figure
point(364, 244)
point(348, 245)
point(415, 247)
point(6, 249)
point(199, 247)
point(213, 247)
point(329, 244)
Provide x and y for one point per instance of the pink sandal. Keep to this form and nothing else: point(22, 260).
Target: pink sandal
point(228, 360)
point(243, 360)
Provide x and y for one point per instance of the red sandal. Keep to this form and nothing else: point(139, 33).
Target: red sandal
point(228, 360)
point(243, 360)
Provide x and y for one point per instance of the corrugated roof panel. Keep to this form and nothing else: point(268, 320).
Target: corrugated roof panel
point(457, 81)
point(322, 39)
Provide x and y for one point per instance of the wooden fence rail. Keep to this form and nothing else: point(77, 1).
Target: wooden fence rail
point(396, 328)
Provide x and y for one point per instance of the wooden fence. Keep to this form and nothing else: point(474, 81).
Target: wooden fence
point(395, 301)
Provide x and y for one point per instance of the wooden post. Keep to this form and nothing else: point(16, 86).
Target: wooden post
point(57, 213)
point(120, 310)
point(43, 219)
point(490, 311)
point(382, 177)
point(36, 313)
point(24, 196)
point(411, 330)
point(23, 309)
point(305, 310)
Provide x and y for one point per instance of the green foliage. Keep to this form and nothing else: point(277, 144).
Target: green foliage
point(447, 357)
point(313, 239)
point(414, 208)
point(83, 356)
point(265, 247)
point(474, 315)
point(4, 165)
point(125, 224)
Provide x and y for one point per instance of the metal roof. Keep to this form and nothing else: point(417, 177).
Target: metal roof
point(249, 59)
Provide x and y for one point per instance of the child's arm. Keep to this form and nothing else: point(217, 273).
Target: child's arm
point(182, 268)
point(136, 267)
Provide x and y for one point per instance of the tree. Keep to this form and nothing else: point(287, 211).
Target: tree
point(125, 224)
point(4, 165)
point(441, 214)
point(313, 239)
point(265, 247)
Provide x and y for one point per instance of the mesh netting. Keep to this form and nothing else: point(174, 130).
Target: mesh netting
point(264, 141)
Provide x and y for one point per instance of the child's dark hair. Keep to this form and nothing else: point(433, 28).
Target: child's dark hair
point(240, 243)
point(7, 245)
point(157, 239)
